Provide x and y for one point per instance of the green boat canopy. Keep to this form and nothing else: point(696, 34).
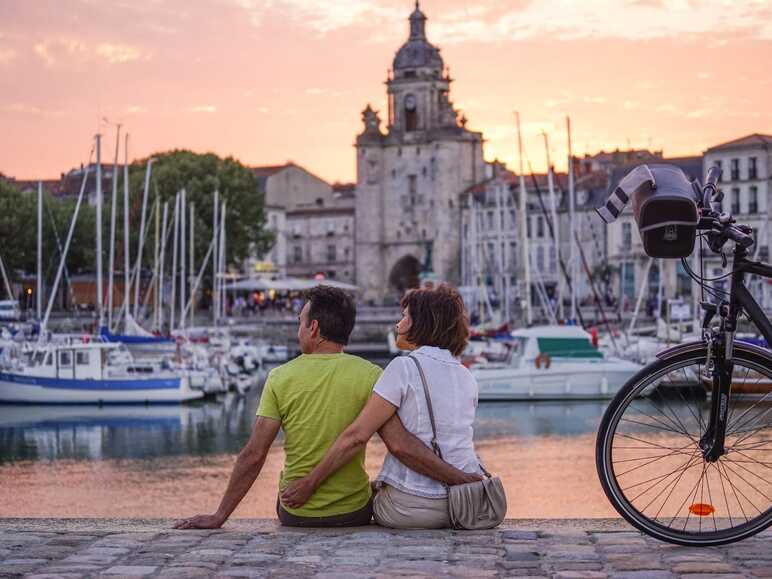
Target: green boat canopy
point(568, 348)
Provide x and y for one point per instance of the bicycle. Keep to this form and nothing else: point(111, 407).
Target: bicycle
point(696, 470)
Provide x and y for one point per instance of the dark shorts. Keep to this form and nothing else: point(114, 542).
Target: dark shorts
point(356, 519)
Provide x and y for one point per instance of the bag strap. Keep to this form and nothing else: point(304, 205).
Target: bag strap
point(435, 444)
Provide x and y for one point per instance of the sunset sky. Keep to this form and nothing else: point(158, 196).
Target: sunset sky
point(274, 80)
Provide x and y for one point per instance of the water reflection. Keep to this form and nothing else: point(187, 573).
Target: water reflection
point(116, 432)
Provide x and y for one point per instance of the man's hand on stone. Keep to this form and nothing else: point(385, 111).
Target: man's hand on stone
point(200, 522)
point(298, 492)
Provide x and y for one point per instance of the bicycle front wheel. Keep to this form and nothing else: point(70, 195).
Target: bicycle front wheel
point(652, 468)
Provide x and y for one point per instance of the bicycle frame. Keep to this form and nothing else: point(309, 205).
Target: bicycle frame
point(740, 299)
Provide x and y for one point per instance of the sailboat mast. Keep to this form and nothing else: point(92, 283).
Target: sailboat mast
point(183, 257)
point(192, 258)
point(99, 273)
point(223, 289)
point(174, 259)
point(215, 257)
point(571, 219)
point(156, 248)
point(39, 289)
point(126, 259)
point(555, 223)
point(111, 263)
point(160, 296)
point(138, 266)
point(59, 271)
point(524, 228)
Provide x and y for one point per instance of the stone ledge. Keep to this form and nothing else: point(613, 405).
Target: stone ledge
point(568, 548)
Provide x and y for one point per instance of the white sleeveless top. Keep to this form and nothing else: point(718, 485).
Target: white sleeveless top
point(454, 399)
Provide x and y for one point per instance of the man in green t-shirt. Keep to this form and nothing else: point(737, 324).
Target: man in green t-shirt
point(313, 399)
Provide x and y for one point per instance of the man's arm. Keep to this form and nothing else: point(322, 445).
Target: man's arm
point(246, 470)
point(413, 453)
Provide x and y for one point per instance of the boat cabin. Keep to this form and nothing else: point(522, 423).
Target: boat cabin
point(552, 343)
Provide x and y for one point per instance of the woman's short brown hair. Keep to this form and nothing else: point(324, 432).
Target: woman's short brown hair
point(438, 317)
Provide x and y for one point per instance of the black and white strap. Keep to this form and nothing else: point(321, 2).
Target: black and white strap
point(617, 201)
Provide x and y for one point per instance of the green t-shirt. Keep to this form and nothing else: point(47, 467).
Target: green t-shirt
point(316, 397)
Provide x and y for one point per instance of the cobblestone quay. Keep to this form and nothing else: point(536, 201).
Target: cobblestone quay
point(70, 548)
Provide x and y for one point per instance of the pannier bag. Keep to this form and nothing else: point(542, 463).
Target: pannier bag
point(664, 205)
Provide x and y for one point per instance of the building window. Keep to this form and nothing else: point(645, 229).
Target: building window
point(539, 226)
point(81, 358)
point(347, 253)
point(735, 169)
point(330, 228)
point(490, 220)
point(512, 254)
point(753, 199)
point(735, 200)
point(721, 168)
point(297, 254)
point(411, 184)
point(553, 259)
point(331, 253)
point(752, 171)
point(540, 257)
point(512, 217)
point(627, 236)
point(528, 227)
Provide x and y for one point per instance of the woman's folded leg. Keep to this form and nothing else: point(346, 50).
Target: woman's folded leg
point(399, 510)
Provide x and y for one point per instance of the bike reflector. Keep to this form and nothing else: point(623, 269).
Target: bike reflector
point(701, 509)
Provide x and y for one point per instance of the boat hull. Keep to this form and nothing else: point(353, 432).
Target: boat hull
point(19, 388)
point(586, 381)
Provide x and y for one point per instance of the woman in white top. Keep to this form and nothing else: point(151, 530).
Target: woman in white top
point(434, 327)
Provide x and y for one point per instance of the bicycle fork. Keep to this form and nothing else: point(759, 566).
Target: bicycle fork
point(712, 442)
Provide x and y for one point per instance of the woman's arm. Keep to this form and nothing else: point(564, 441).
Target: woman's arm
point(374, 415)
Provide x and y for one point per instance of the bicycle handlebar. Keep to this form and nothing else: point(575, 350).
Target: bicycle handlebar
point(738, 236)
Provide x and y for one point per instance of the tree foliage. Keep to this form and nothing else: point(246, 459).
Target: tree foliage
point(200, 175)
point(18, 233)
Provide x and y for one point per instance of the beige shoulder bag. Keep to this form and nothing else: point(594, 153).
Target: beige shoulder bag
point(471, 506)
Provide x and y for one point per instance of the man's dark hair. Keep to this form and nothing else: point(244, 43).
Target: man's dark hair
point(335, 312)
point(438, 317)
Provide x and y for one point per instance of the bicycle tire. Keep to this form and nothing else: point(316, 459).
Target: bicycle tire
point(631, 392)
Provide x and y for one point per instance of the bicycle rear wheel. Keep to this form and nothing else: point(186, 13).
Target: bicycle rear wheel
point(653, 471)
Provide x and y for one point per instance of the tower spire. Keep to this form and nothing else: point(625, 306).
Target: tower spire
point(417, 23)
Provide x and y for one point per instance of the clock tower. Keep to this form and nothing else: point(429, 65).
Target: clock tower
point(410, 174)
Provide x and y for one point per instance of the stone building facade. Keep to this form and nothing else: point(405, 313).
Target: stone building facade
point(285, 188)
point(410, 175)
point(320, 238)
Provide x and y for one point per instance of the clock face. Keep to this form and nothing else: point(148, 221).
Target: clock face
point(410, 102)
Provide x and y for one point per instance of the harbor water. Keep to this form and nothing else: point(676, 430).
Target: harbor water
point(174, 460)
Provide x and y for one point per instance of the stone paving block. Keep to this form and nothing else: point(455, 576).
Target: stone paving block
point(642, 575)
point(580, 575)
point(760, 571)
point(22, 561)
point(519, 536)
point(703, 567)
point(184, 573)
point(714, 576)
point(130, 570)
point(54, 576)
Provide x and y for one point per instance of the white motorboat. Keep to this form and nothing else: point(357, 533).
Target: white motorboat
point(552, 362)
point(88, 373)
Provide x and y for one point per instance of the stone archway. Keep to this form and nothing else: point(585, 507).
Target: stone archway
point(404, 274)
